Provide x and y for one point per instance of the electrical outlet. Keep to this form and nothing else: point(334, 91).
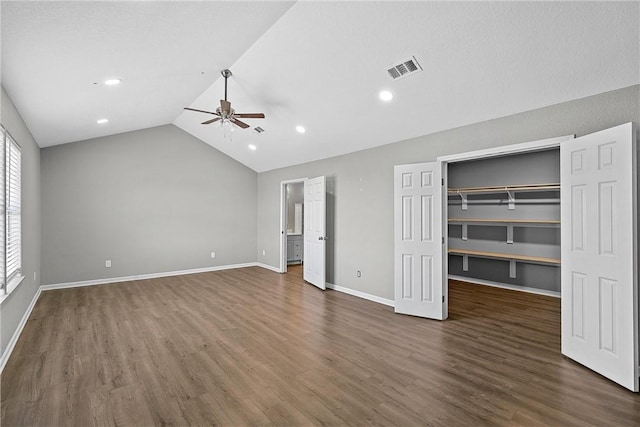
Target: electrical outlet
point(358, 273)
point(213, 254)
point(107, 263)
point(264, 252)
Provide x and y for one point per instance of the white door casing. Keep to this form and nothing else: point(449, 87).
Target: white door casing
point(315, 203)
point(599, 258)
point(419, 286)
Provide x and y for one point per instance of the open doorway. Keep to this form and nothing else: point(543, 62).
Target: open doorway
point(292, 225)
point(501, 216)
point(504, 221)
point(312, 225)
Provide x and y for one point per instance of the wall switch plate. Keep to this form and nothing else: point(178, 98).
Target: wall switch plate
point(34, 276)
point(107, 263)
point(264, 252)
point(213, 254)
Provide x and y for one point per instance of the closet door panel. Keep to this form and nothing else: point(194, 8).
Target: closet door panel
point(418, 245)
point(599, 262)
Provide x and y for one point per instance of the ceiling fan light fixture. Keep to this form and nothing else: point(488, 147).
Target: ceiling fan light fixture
point(226, 124)
point(300, 129)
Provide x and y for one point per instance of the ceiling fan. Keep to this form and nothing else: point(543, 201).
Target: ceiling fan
point(225, 114)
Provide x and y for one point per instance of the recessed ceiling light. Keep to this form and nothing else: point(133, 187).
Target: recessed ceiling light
point(102, 121)
point(112, 82)
point(252, 147)
point(385, 95)
point(301, 129)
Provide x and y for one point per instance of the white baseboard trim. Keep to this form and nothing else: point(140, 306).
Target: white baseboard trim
point(16, 334)
point(269, 267)
point(144, 276)
point(506, 286)
point(342, 289)
point(360, 294)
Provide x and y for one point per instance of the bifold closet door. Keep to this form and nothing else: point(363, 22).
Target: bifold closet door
point(599, 253)
point(419, 287)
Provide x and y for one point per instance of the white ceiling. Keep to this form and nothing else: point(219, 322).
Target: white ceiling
point(317, 64)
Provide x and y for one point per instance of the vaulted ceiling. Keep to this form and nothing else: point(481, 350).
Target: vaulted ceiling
point(320, 65)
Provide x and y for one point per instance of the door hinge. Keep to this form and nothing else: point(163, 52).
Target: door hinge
point(443, 240)
point(443, 299)
point(442, 181)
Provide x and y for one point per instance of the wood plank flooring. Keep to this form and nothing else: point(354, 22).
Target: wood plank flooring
point(253, 347)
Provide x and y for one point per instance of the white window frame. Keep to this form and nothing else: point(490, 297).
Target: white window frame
point(11, 206)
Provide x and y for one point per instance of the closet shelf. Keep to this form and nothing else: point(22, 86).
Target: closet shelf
point(511, 191)
point(497, 255)
point(509, 223)
point(505, 221)
point(512, 258)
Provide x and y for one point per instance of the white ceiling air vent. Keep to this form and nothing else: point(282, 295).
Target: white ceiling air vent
point(404, 68)
point(258, 129)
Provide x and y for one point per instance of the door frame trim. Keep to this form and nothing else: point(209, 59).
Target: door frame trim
point(505, 150)
point(283, 220)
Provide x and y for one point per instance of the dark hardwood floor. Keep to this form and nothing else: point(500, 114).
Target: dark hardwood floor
point(253, 347)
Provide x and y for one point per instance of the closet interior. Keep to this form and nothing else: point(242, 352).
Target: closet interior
point(504, 221)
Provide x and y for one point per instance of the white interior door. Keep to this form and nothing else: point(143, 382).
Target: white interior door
point(315, 205)
point(419, 286)
point(599, 264)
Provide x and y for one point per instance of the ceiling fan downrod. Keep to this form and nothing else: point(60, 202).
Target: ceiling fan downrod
point(226, 73)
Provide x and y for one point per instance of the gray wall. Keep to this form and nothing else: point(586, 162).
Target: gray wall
point(360, 185)
point(152, 201)
point(14, 307)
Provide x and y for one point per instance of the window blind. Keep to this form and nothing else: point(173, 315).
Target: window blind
point(3, 139)
point(13, 224)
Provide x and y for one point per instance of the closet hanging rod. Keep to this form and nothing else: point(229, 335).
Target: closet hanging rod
point(505, 220)
point(505, 201)
point(505, 188)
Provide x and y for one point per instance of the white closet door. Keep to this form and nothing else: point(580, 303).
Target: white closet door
point(315, 204)
point(599, 264)
point(419, 285)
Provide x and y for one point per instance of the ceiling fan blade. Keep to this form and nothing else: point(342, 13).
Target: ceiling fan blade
point(243, 125)
point(225, 106)
point(250, 115)
point(200, 111)
point(215, 119)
